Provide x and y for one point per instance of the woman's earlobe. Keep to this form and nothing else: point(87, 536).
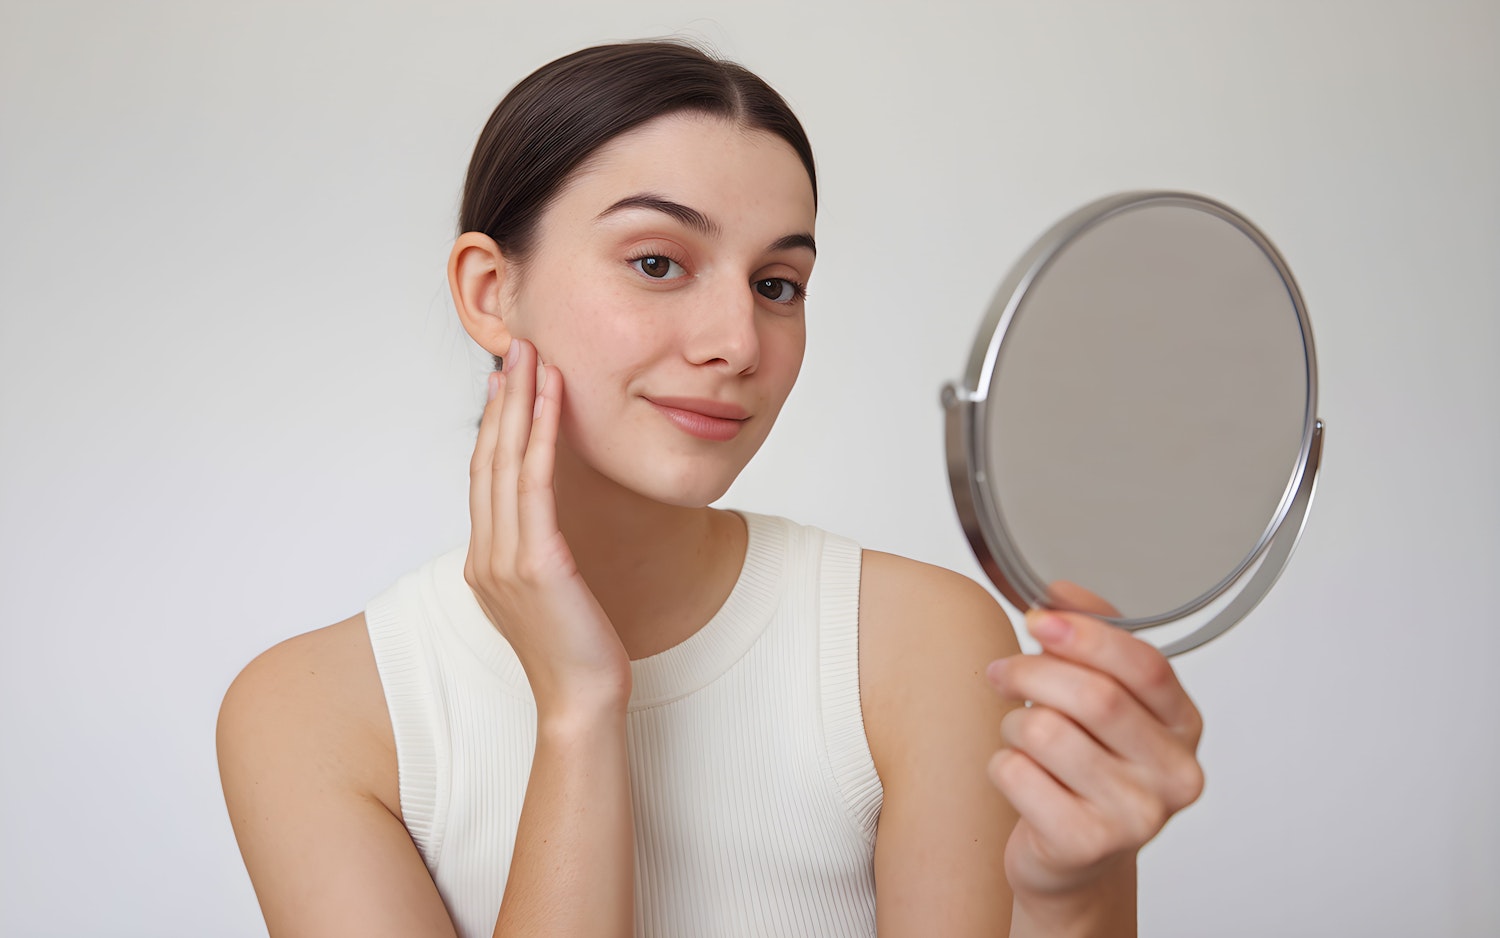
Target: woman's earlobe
point(478, 279)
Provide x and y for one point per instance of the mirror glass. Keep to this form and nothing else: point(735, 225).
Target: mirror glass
point(1139, 413)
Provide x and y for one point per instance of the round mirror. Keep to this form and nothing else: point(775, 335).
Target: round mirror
point(1136, 432)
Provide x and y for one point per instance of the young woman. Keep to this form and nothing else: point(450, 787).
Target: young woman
point(618, 710)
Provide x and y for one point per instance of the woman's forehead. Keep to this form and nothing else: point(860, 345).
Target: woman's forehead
point(716, 166)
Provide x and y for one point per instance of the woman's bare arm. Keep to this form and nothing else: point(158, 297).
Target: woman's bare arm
point(308, 767)
point(573, 869)
point(926, 637)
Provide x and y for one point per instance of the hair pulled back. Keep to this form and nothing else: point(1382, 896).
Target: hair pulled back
point(559, 115)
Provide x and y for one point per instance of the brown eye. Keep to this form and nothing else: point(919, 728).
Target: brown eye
point(777, 290)
point(658, 267)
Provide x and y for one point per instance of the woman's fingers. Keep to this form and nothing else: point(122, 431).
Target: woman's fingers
point(514, 512)
point(481, 468)
point(1144, 767)
point(1063, 748)
point(537, 505)
point(1127, 801)
point(1103, 756)
point(1031, 789)
point(1038, 797)
point(500, 455)
point(1097, 703)
point(511, 444)
point(1062, 834)
point(519, 565)
point(1138, 667)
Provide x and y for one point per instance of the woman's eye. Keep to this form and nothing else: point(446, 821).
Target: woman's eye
point(658, 267)
point(778, 290)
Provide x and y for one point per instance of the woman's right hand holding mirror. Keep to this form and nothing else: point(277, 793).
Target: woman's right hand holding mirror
point(1096, 763)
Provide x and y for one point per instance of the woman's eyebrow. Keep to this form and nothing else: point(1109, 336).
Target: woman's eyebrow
point(803, 240)
point(696, 220)
point(688, 216)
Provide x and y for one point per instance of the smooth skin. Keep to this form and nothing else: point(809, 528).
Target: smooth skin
point(587, 517)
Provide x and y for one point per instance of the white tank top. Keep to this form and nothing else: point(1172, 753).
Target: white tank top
point(755, 797)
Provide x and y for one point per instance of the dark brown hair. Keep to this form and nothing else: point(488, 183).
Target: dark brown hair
point(559, 115)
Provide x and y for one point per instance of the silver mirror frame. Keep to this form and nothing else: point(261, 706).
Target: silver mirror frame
point(967, 439)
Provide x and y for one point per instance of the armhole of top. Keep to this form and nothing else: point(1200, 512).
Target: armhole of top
point(843, 719)
point(411, 702)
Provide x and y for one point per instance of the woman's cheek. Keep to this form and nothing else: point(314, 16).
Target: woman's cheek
point(598, 327)
point(790, 345)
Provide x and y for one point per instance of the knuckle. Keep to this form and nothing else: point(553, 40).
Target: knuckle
point(482, 579)
point(1102, 700)
point(477, 572)
point(530, 570)
point(494, 572)
point(1187, 784)
point(1004, 768)
point(531, 483)
point(1155, 669)
point(1194, 727)
point(1138, 830)
point(1154, 811)
point(1152, 821)
point(1040, 728)
point(1149, 822)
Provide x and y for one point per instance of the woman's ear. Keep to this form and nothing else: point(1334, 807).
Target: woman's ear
point(479, 277)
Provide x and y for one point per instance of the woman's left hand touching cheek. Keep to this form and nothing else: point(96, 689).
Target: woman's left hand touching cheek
point(1097, 764)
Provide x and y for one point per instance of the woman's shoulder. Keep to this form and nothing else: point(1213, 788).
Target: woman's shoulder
point(311, 709)
point(926, 636)
point(309, 772)
point(907, 606)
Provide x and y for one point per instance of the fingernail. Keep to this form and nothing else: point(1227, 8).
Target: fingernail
point(995, 671)
point(494, 385)
point(1050, 628)
point(510, 354)
point(536, 409)
point(541, 377)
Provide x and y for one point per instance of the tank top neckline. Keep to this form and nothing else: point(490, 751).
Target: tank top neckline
point(668, 675)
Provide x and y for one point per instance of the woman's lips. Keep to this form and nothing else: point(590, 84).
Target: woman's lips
point(704, 419)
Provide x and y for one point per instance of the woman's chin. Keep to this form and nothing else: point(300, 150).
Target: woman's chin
point(699, 493)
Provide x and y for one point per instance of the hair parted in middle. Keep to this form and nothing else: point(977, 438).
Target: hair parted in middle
point(557, 117)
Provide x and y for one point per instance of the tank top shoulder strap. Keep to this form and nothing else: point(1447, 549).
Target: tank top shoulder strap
point(843, 720)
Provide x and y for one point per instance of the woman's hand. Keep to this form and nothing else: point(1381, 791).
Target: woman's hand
point(519, 565)
point(1104, 755)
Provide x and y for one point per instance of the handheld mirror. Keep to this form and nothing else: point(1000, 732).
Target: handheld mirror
point(1138, 418)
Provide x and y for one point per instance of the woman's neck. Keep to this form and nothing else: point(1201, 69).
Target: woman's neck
point(659, 571)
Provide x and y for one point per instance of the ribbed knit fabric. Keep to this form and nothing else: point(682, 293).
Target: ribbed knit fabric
point(754, 794)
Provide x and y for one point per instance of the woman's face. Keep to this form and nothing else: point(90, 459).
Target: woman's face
point(666, 284)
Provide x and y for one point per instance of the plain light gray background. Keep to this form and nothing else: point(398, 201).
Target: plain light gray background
point(235, 402)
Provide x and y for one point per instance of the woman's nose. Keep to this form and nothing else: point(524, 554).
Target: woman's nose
point(724, 329)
